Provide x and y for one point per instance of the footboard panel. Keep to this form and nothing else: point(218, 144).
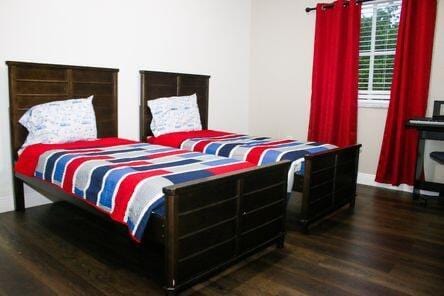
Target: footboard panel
point(214, 222)
point(329, 182)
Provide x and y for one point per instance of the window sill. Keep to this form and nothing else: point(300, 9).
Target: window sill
point(375, 104)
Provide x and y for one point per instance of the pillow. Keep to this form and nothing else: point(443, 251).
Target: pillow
point(174, 114)
point(60, 121)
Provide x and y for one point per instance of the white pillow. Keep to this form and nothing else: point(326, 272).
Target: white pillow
point(60, 121)
point(174, 114)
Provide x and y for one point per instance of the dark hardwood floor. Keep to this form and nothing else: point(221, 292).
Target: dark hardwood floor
point(390, 245)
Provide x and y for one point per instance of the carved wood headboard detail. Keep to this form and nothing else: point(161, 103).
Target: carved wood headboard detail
point(156, 85)
point(31, 84)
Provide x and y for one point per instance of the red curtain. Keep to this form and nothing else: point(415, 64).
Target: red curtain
point(409, 91)
point(333, 114)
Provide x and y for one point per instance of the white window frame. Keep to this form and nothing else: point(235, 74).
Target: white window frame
point(374, 98)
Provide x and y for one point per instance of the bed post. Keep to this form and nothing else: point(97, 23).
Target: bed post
point(19, 195)
point(304, 218)
point(170, 245)
point(17, 184)
point(353, 199)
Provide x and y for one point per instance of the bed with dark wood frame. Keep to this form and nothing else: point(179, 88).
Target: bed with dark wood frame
point(209, 223)
point(329, 179)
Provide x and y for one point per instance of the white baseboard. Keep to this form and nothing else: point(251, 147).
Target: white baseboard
point(32, 199)
point(6, 203)
point(369, 179)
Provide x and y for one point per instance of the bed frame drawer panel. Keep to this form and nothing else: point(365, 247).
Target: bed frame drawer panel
point(211, 195)
point(261, 216)
point(207, 216)
point(264, 179)
point(321, 176)
point(193, 243)
point(318, 191)
point(323, 161)
point(255, 238)
point(190, 267)
point(266, 196)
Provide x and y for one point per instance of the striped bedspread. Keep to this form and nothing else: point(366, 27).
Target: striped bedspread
point(126, 181)
point(257, 150)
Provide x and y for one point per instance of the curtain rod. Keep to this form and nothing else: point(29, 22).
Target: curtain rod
point(308, 9)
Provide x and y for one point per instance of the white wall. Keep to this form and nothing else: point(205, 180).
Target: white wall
point(281, 67)
point(194, 36)
point(281, 61)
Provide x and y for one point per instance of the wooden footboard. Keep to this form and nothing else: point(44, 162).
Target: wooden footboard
point(212, 223)
point(329, 183)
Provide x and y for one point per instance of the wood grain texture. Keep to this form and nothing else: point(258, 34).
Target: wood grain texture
point(156, 85)
point(31, 84)
point(389, 246)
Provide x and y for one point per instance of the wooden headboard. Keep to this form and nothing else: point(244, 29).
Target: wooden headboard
point(32, 84)
point(156, 85)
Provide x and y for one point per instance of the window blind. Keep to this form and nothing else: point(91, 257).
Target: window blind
point(379, 31)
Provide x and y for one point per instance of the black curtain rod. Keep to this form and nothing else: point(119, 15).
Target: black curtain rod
point(308, 9)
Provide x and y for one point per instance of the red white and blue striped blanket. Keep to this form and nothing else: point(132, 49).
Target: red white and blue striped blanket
point(126, 180)
point(257, 150)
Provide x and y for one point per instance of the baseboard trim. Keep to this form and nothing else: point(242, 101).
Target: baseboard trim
point(369, 179)
point(6, 203)
point(32, 199)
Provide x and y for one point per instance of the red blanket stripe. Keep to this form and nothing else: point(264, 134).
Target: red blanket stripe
point(176, 139)
point(126, 189)
point(72, 167)
point(29, 158)
point(255, 154)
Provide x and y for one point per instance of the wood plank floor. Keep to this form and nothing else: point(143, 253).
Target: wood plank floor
point(390, 245)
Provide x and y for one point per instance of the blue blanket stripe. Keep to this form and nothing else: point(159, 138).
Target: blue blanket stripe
point(50, 164)
point(220, 162)
point(270, 156)
point(212, 148)
point(188, 176)
point(143, 223)
point(98, 178)
point(61, 166)
point(226, 149)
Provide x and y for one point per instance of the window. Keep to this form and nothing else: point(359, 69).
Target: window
point(379, 31)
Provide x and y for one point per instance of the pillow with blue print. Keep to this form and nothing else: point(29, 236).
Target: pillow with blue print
point(60, 121)
point(174, 114)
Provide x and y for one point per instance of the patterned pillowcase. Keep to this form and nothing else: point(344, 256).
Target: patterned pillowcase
point(174, 114)
point(60, 121)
